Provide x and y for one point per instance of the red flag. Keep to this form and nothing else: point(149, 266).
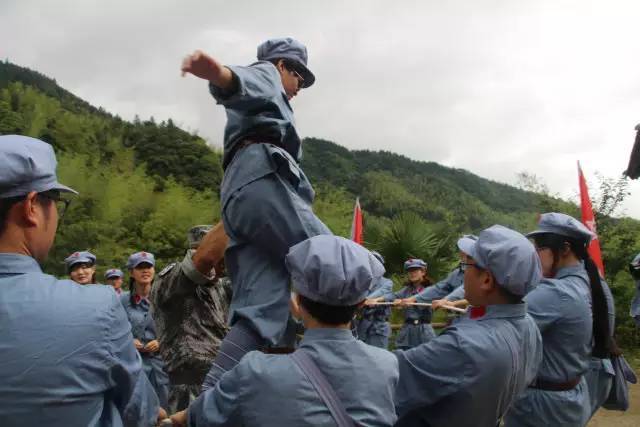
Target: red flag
point(356, 225)
point(589, 220)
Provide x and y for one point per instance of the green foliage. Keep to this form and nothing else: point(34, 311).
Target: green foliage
point(409, 236)
point(144, 184)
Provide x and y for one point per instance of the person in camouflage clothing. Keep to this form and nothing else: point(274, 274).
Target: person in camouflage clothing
point(190, 307)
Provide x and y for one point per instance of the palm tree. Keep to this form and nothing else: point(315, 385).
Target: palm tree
point(407, 235)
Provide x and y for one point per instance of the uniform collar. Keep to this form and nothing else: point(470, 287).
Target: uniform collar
point(322, 334)
point(18, 264)
point(498, 311)
point(137, 299)
point(573, 270)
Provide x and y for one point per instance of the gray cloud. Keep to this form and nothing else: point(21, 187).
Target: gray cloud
point(495, 87)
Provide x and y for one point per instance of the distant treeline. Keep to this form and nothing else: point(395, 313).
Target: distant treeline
point(143, 184)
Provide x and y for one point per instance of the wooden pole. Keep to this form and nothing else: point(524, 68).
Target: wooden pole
point(419, 304)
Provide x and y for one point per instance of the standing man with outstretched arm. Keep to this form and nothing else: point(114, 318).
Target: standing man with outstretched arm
point(266, 198)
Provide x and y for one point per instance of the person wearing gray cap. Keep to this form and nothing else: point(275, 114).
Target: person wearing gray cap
point(137, 305)
point(332, 378)
point(190, 303)
point(473, 371)
point(570, 309)
point(416, 328)
point(67, 351)
point(81, 267)
point(114, 278)
point(451, 288)
point(373, 325)
point(266, 198)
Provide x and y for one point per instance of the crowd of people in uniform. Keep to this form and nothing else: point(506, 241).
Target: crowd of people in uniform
point(214, 339)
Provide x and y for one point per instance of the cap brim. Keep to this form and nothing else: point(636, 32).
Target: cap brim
point(64, 189)
point(152, 264)
point(307, 75)
point(466, 245)
point(535, 233)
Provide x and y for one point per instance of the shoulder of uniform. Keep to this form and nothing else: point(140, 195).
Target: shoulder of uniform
point(167, 269)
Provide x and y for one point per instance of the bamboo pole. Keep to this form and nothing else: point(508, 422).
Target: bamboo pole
point(419, 304)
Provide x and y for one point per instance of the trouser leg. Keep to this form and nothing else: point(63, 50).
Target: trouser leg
point(240, 340)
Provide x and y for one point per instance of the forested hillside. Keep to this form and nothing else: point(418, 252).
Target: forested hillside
point(143, 184)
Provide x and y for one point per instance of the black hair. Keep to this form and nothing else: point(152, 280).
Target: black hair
point(5, 207)
point(79, 265)
point(288, 64)
point(426, 281)
point(328, 314)
point(509, 296)
point(7, 203)
point(601, 329)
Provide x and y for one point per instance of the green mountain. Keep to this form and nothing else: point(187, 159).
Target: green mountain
point(143, 184)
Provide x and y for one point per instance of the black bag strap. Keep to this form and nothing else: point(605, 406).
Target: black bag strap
point(324, 389)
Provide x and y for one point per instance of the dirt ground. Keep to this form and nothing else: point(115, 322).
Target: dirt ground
point(631, 418)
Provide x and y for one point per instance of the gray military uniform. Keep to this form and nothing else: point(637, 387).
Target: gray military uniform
point(561, 308)
point(270, 390)
point(469, 374)
point(475, 369)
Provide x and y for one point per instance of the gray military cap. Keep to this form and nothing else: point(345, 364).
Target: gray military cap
point(28, 164)
point(196, 233)
point(510, 257)
point(332, 270)
point(291, 49)
point(563, 225)
point(466, 242)
point(378, 256)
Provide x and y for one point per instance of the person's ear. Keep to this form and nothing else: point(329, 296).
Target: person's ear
point(30, 210)
point(488, 281)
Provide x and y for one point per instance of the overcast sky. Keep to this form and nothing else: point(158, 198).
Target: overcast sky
point(495, 87)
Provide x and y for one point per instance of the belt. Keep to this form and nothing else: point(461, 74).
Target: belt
point(415, 321)
point(553, 386)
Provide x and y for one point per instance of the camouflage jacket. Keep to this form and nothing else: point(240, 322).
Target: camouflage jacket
point(190, 312)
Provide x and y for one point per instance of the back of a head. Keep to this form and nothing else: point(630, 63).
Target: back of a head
point(28, 166)
point(332, 275)
point(554, 231)
point(196, 234)
point(509, 256)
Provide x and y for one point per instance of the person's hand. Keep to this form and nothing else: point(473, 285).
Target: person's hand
point(370, 302)
point(138, 344)
point(397, 301)
point(152, 346)
point(407, 301)
point(179, 419)
point(204, 66)
point(437, 303)
point(461, 303)
point(211, 249)
point(162, 416)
